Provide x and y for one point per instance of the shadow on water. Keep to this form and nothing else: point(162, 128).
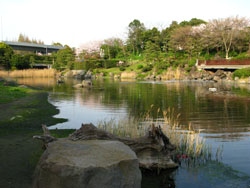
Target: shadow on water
point(213, 174)
point(163, 180)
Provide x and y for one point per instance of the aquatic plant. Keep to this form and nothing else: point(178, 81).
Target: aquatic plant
point(190, 145)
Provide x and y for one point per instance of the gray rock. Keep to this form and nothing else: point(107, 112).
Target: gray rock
point(79, 74)
point(86, 83)
point(78, 86)
point(195, 74)
point(88, 75)
point(87, 163)
point(68, 74)
point(236, 78)
point(216, 78)
point(220, 73)
point(158, 77)
point(117, 76)
point(152, 77)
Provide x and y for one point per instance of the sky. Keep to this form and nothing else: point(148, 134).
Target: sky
point(75, 22)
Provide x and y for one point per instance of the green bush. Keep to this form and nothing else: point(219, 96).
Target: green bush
point(162, 65)
point(188, 69)
point(109, 63)
point(122, 68)
point(242, 73)
point(191, 62)
point(242, 56)
point(78, 66)
point(147, 68)
point(20, 62)
point(139, 66)
point(141, 76)
point(99, 63)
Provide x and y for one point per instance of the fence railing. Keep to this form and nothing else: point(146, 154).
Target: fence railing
point(225, 62)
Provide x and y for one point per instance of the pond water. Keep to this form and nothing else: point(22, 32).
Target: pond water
point(222, 120)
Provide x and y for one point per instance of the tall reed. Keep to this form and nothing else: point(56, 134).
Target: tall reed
point(29, 73)
point(188, 141)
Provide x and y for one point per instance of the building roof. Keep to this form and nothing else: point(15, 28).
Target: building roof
point(26, 44)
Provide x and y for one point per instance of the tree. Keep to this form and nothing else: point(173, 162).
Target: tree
point(152, 52)
point(21, 62)
point(226, 30)
point(181, 39)
point(6, 53)
point(24, 38)
point(63, 57)
point(196, 22)
point(136, 29)
point(112, 48)
point(57, 44)
point(152, 35)
point(166, 36)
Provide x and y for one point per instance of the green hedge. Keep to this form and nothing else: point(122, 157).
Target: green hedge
point(242, 73)
point(100, 63)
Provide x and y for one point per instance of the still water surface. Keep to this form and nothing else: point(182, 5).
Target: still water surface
point(222, 120)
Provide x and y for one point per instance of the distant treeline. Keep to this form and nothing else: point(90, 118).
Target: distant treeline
point(24, 38)
point(179, 44)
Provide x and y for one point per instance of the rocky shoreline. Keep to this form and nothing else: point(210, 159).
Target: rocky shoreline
point(170, 74)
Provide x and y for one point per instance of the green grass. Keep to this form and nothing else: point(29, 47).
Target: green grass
point(22, 112)
point(11, 93)
point(61, 133)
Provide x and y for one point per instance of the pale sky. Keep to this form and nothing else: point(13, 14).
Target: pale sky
point(75, 22)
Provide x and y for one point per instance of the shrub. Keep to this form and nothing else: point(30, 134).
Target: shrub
point(242, 73)
point(109, 63)
point(188, 69)
point(242, 56)
point(147, 68)
point(139, 66)
point(141, 76)
point(122, 68)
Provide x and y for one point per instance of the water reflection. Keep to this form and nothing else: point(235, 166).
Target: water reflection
point(221, 116)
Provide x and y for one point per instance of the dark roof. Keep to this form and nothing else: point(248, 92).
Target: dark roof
point(26, 44)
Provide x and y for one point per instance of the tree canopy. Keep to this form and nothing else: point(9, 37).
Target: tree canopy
point(6, 53)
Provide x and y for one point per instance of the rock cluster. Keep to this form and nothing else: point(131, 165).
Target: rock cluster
point(84, 84)
point(78, 74)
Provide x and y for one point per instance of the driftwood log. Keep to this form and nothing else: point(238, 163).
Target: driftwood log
point(153, 150)
point(46, 137)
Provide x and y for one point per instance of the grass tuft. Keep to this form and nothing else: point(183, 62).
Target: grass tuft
point(191, 146)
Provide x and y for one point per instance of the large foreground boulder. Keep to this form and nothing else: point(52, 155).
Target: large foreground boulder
point(87, 164)
point(153, 150)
